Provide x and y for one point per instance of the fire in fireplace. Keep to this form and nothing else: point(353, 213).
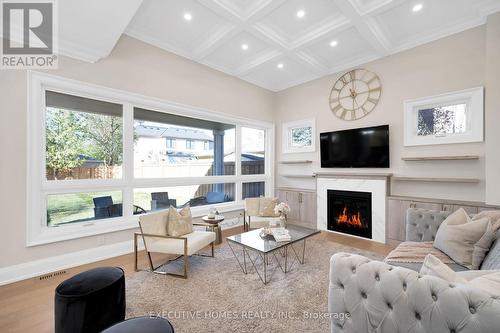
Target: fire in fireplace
point(350, 212)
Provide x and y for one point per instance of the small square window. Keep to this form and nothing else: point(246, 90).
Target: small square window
point(455, 117)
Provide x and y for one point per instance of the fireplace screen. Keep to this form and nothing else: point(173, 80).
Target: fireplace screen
point(350, 212)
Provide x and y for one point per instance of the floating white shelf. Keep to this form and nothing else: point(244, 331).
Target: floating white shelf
point(436, 179)
point(440, 158)
point(298, 176)
point(352, 173)
point(296, 162)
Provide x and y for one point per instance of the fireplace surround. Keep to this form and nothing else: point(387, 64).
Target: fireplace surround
point(375, 183)
point(350, 212)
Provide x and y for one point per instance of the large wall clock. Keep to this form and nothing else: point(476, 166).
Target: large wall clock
point(355, 94)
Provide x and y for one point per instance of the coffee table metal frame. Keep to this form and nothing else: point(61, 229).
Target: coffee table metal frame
point(277, 257)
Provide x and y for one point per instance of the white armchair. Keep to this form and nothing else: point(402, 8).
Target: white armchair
point(253, 214)
point(154, 235)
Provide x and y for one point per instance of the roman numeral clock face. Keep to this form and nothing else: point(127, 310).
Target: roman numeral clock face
point(355, 94)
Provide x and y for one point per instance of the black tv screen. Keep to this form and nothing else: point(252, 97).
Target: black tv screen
point(356, 148)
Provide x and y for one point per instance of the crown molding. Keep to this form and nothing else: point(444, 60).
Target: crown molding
point(155, 42)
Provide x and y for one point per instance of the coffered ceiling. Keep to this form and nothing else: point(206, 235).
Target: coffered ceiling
point(274, 44)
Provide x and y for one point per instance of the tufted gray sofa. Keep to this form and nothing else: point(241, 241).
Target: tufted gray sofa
point(422, 225)
point(383, 298)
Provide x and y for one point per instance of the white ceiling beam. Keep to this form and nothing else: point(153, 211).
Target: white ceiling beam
point(259, 61)
point(374, 7)
point(225, 33)
point(316, 66)
point(370, 31)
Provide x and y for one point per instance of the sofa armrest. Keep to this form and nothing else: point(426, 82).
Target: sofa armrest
point(377, 297)
point(422, 224)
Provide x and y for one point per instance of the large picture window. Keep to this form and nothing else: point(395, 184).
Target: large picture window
point(100, 157)
point(192, 156)
point(83, 138)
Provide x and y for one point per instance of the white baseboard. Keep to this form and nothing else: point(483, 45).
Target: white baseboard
point(43, 266)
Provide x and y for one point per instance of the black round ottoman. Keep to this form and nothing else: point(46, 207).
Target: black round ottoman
point(142, 325)
point(90, 301)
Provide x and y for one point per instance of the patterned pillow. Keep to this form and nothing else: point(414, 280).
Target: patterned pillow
point(179, 223)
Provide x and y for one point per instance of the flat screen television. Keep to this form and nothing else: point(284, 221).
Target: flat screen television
point(356, 148)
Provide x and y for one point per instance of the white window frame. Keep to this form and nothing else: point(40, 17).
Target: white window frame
point(473, 98)
point(288, 148)
point(38, 187)
point(170, 143)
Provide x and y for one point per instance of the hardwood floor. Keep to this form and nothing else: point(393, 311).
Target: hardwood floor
point(28, 306)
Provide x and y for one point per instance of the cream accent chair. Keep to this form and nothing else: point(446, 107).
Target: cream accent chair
point(252, 217)
point(154, 235)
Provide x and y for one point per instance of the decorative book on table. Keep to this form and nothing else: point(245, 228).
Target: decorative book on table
point(281, 234)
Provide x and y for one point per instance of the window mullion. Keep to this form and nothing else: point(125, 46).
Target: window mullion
point(128, 158)
point(237, 151)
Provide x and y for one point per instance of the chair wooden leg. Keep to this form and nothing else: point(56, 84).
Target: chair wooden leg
point(213, 249)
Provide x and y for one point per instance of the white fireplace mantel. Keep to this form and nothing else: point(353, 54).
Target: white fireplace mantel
point(352, 174)
point(375, 183)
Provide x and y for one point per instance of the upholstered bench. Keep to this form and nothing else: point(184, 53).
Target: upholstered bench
point(90, 301)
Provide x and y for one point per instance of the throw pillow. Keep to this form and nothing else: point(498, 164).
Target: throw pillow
point(154, 223)
point(483, 246)
point(493, 215)
point(459, 216)
point(435, 267)
point(489, 283)
point(457, 235)
point(266, 206)
point(179, 223)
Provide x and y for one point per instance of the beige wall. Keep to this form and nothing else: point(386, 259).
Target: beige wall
point(454, 63)
point(492, 117)
point(449, 64)
point(133, 66)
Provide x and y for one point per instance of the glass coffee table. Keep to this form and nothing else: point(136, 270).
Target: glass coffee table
point(265, 255)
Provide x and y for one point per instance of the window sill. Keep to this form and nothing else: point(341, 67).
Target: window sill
point(47, 235)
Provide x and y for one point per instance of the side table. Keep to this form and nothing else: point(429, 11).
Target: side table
point(216, 220)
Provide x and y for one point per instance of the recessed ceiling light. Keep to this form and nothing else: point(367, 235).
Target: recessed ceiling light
point(333, 43)
point(280, 65)
point(244, 47)
point(301, 13)
point(188, 16)
point(418, 7)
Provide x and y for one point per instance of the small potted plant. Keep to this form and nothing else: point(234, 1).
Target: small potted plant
point(283, 210)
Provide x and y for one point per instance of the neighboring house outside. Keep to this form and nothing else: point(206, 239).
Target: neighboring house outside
point(166, 145)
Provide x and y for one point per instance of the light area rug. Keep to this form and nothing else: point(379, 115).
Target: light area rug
point(218, 297)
